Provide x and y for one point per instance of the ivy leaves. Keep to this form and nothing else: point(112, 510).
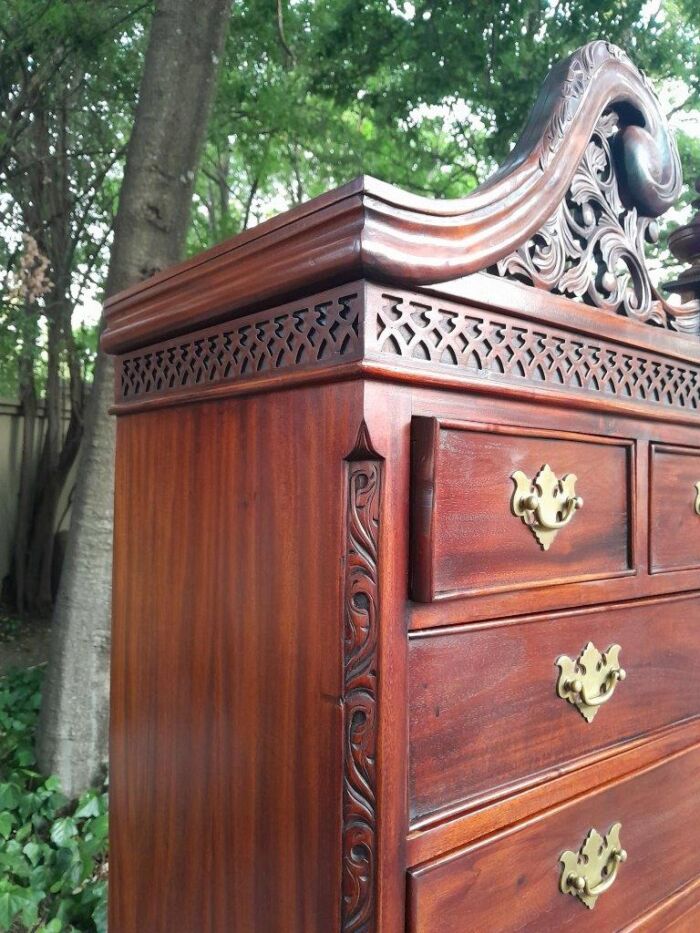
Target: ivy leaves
point(53, 853)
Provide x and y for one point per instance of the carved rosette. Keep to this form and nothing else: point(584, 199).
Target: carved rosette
point(592, 247)
point(363, 477)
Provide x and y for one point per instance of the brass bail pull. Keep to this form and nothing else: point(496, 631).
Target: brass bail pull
point(593, 869)
point(697, 499)
point(589, 681)
point(579, 687)
point(545, 504)
point(582, 885)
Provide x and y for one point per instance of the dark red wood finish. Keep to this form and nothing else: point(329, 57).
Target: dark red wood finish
point(227, 713)
point(333, 678)
point(674, 532)
point(511, 882)
point(465, 536)
point(485, 718)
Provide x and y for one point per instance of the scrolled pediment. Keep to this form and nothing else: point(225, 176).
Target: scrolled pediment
point(575, 204)
point(570, 211)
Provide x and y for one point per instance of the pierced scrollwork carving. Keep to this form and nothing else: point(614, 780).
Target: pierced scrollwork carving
point(592, 246)
point(496, 348)
point(361, 604)
point(258, 345)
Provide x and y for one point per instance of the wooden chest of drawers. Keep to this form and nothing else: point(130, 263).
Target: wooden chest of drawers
point(407, 575)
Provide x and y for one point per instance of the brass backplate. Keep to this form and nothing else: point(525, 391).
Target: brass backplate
point(589, 681)
point(592, 870)
point(545, 504)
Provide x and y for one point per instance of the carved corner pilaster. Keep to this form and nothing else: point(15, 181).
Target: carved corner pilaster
point(363, 482)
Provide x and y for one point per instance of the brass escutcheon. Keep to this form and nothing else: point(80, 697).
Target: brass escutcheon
point(592, 870)
point(545, 504)
point(589, 681)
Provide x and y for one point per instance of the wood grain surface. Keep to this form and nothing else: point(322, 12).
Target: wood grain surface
point(674, 523)
point(334, 645)
point(511, 882)
point(465, 536)
point(484, 715)
point(227, 683)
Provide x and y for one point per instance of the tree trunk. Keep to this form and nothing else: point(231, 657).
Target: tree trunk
point(47, 490)
point(42, 187)
point(184, 48)
point(28, 403)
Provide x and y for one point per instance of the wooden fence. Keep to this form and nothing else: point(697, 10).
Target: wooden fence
point(11, 433)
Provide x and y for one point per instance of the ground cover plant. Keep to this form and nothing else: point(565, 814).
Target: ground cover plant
point(53, 852)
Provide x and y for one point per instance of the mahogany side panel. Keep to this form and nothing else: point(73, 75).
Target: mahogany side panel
point(227, 672)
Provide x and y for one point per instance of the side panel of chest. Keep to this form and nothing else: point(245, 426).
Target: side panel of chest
point(227, 665)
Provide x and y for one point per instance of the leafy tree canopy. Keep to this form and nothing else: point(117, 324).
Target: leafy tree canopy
point(428, 94)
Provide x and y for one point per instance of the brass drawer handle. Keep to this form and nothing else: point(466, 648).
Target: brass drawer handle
point(592, 870)
point(545, 504)
point(697, 499)
point(589, 681)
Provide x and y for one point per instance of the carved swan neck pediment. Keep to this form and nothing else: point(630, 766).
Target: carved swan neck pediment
point(570, 211)
point(596, 80)
point(592, 245)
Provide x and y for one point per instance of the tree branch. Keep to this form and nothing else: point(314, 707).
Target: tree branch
point(289, 54)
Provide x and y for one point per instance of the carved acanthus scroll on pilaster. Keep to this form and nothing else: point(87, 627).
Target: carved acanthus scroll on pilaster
point(361, 608)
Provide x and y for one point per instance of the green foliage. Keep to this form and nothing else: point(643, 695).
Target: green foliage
point(19, 329)
point(69, 76)
point(428, 94)
point(10, 627)
point(53, 868)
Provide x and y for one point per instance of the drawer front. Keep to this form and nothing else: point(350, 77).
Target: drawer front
point(512, 881)
point(674, 525)
point(485, 715)
point(468, 482)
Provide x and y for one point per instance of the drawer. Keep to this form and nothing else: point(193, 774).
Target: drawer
point(469, 479)
point(485, 717)
point(674, 524)
point(512, 881)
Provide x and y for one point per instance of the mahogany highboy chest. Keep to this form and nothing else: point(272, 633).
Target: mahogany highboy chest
point(407, 555)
